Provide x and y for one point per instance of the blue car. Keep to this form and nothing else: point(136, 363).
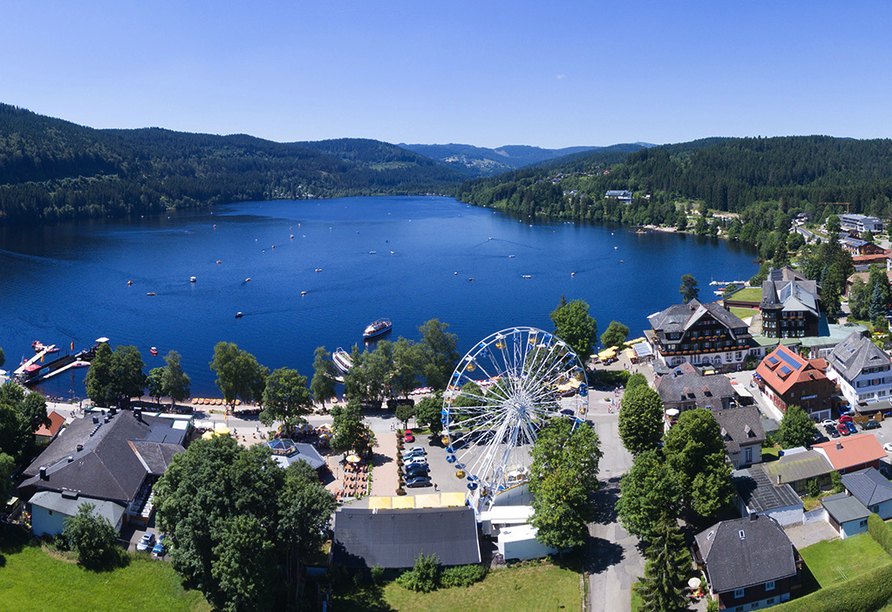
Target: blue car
point(851, 427)
point(160, 549)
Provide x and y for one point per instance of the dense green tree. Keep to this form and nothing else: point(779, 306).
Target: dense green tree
point(666, 570)
point(641, 419)
point(350, 430)
point(563, 473)
point(859, 300)
point(649, 490)
point(615, 334)
point(576, 327)
point(695, 451)
point(796, 428)
point(403, 413)
point(428, 413)
point(682, 223)
point(239, 376)
point(635, 380)
point(438, 353)
point(286, 399)
point(424, 576)
point(127, 377)
point(155, 384)
point(98, 380)
point(16, 433)
point(408, 365)
point(90, 535)
point(176, 382)
point(688, 289)
point(33, 409)
point(323, 384)
point(233, 517)
point(7, 467)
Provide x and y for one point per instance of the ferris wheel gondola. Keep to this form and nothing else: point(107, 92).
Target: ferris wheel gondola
point(503, 391)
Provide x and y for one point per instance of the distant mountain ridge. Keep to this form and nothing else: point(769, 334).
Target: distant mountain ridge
point(53, 169)
point(476, 162)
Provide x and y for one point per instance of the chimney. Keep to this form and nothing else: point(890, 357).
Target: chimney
point(70, 458)
point(753, 516)
point(43, 475)
point(80, 447)
point(138, 414)
point(778, 480)
point(839, 446)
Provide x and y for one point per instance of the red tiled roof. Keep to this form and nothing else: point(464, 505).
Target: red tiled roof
point(781, 380)
point(56, 422)
point(853, 450)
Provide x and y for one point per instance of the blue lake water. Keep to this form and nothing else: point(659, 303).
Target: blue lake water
point(68, 283)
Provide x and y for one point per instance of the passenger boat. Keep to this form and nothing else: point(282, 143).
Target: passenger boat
point(377, 328)
point(342, 360)
point(153, 351)
point(239, 315)
point(192, 279)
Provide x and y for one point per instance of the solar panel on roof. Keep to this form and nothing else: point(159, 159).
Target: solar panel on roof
point(785, 370)
point(790, 361)
point(772, 360)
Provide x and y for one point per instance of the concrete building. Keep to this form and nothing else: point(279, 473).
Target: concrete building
point(861, 370)
point(860, 223)
point(788, 379)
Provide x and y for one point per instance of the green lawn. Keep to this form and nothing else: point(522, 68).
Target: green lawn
point(528, 589)
point(742, 313)
point(747, 294)
point(835, 561)
point(32, 579)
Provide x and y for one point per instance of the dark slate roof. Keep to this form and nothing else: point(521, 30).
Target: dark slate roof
point(854, 354)
point(286, 452)
point(746, 552)
point(868, 486)
point(844, 508)
point(114, 460)
point(679, 317)
point(365, 538)
point(685, 380)
point(739, 426)
point(759, 494)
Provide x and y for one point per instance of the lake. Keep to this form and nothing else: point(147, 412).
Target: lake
point(406, 258)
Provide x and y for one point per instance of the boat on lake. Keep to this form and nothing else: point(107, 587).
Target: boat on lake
point(342, 360)
point(377, 328)
point(153, 351)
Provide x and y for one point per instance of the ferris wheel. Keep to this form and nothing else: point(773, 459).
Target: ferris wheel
point(503, 391)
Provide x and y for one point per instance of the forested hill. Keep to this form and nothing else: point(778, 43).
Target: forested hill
point(480, 161)
point(53, 169)
point(728, 174)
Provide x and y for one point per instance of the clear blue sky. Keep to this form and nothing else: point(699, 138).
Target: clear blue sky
point(487, 73)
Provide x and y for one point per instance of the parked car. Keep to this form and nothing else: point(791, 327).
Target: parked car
point(160, 549)
point(845, 418)
point(146, 542)
point(851, 427)
point(420, 481)
point(408, 437)
point(871, 424)
point(828, 423)
point(418, 470)
point(843, 430)
point(413, 455)
point(819, 439)
point(415, 461)
point(830, 428)
point(419, 449)
point(887, 447)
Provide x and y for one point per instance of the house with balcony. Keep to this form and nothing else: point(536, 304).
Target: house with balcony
point(790, 305)
point(700, 334)
point(622, 195)
point(861, 370)
point(742, 433)
point(860, 223)
point(686, 387)
point(788, 379)
point(750, 563)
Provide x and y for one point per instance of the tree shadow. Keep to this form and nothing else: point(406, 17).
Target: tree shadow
point(601, 554)
point(604, 501)
point(109, 561)
point(367, 597)
point(13, 539)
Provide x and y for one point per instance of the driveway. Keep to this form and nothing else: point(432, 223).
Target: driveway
point(611, 555)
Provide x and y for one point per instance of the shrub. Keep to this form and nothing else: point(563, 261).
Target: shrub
point(377, 573)
point(424, 577)
point(880, 531)
point(814, 489)
point(712, 606)
point(462, 575)
point(836, 479)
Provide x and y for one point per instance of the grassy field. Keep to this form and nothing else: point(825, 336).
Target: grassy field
point(834, 561)
point(33, 579)
point(743, 313)
point(528, 589)
point(748, 294)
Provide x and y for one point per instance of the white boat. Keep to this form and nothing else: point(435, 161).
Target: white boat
point(342, 360)
point(377, 328)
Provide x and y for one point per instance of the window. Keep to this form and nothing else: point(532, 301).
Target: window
point(738, 593)
point(770, 601)
point(50, 512)
point(863, 523)
point(769, 586)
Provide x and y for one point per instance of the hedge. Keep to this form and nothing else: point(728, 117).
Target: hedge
point(867, 593)
point(880, 531)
